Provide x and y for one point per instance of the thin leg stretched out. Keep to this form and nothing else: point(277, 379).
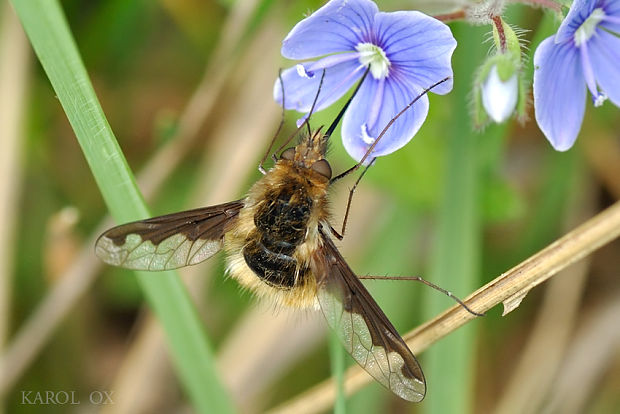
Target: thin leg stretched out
point(340, 235)
point(427, 283)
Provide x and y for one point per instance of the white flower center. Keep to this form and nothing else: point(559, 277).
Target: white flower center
point(587, 28)
point(373, 56)
point(301, 71)
point(600, 99)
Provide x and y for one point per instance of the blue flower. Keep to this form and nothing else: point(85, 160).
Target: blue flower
point(406, 51)
point(583, 55)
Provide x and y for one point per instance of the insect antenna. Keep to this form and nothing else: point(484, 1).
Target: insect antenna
point(427, 283)
point(389, 124)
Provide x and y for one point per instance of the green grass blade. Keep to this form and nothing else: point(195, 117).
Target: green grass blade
point(337, 359)
point(49, 34)
point(449, 364)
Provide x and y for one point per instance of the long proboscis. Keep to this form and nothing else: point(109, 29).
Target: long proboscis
point(336, 121)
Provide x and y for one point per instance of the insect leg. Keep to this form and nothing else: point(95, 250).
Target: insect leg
point(340, 235)
point(389, 124)
point(306, 121)
point(275, 136)
point(427, 283)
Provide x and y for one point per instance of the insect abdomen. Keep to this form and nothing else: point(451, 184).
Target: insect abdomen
point(276, 269)
point(280, 227)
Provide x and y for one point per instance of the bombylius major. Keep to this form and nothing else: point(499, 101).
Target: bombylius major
point(278, 242)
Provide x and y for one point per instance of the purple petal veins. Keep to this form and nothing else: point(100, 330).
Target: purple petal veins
point(580, 55)
point(358, 135)
point(406, 52)
point(375, 105)
point(301, 90)
point(558, 109)
point(332, 60)
point(597, 98)
point(336, 27)
point(605, 56)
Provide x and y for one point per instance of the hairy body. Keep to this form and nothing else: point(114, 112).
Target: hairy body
point(278, 244)
point(271, 247)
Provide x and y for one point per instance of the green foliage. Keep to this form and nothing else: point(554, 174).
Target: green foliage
point(455, 206)
point(55, 48)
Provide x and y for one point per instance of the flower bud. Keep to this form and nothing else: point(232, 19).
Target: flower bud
point(499, 89)
point(499, 96)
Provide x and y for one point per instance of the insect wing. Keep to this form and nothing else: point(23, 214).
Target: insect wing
point(170, 241)
point(363, 328)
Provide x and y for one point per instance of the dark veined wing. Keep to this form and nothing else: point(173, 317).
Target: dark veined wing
point(363, 328)
point(170, 241)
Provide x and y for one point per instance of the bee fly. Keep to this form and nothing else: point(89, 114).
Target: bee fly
point(278, 242)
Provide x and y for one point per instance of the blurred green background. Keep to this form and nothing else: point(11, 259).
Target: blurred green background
point(186, 88)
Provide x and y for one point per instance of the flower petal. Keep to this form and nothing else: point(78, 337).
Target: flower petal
point(578, 13)
point(612, 10)
point(499, 97)
point(419, 47)
point(604, 51)
point(391, 97)
point(332, 60)
point(300, 91)
point(559, 92)
point(336, 27)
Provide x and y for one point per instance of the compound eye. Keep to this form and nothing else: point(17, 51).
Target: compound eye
point(323, 168)
point(288, 154)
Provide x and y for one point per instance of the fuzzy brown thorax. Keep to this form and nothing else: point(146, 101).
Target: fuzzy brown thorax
point(277, 233)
